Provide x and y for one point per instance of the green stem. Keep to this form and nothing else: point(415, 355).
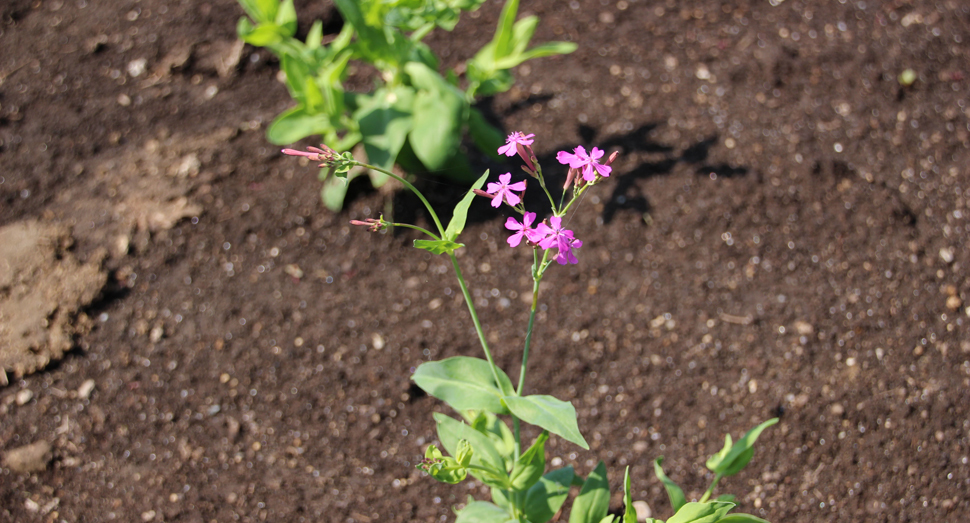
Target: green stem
point(536, 278)
point(427, 205)
point(415, 227)
point(707, 495)
point(475, 320)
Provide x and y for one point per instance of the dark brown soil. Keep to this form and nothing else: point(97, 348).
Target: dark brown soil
point(785, 235)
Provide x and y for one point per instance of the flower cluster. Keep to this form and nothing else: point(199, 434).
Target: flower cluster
point(550, 233)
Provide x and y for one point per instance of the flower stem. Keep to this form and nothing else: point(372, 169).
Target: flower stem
point(476, 321)
point(710, 490)
point(412, 188)
point(536, 277)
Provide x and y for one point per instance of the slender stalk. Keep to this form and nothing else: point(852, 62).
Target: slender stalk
point(412, 188)
point(536, 278)
point(710, 490)
point(475, 320)
point(415, 227)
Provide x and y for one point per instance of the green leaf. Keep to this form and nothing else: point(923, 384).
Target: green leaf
point(544, 499)
point(554, 415)
point(593, 501)
point(460, 214)
point(261, 35)
point(286, 18)
point(482, 512)
point(440, 112)
point(485, 135)
point(296, 124)
point(503, 33)
point(446, 469)
point(730, 498)
point(452, 431)
point(385, 123)
point(608, 519)
point(315, 37)
point(522, 33)
point(741, 518)
point(733, 457)
point(333, 192)
point(701, 512)
point(490, 425)
point(463, 382)
point(530, 465)
point(498, 82)
point(674, 492)
point(260, 10)
point(438, 246)
point(539, 51)
point(629, 513)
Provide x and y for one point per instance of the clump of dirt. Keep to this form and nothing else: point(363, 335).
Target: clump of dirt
point(43, 291)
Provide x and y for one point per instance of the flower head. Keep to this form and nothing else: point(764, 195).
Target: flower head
point(554, 235)
point(522, 230)
point(521, 144)
point(589, 163)
point(503, 190)
point(514, 141)
point(322, 154)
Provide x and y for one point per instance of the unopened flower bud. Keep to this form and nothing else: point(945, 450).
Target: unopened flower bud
point(483, 193)
point(373, 224)
point(612, 157)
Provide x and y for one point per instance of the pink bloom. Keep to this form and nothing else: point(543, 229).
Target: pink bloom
point(562, 239)
point(521, 144)
point(314, 154)
point(503, 190)
point(523, 230)
point(589, 163)
point(513, 142)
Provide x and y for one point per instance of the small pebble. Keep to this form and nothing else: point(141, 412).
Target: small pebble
point(85, 390)
point(643, 510)
point(24, 396)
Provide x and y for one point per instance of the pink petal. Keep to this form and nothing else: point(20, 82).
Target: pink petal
point(505, 178)
point(507, 149)
point(517, 186)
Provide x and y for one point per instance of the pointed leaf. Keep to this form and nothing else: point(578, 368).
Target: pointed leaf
point(629, 513)
point(740, 453)
point(552, 414)
point(539, 51)
point(504, 32)
point(333, 192)
point(593, 501)
point(496, 429)
point(530, 465)
point(458, 218)
point(464, 383)
point(286, 18)
point(438, 246)
point(544, 499)
point(315, 37)
point(674, 492)
point(709, 512)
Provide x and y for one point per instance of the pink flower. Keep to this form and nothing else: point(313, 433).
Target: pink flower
point(523, 230)
point(521, 144)
point(314, 154)
point(503, 190)
point(514, 142)
point(562, 239)
point(589, 163)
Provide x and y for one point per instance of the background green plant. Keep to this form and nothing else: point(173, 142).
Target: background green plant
point(415, 116)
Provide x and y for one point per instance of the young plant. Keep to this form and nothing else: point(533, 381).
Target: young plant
point(414, 116)
point(481, 443)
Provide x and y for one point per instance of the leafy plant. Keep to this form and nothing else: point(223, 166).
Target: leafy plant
point(480, 442)
point(415, 116)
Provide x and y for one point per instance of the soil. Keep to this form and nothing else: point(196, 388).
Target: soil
point(784, 235)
